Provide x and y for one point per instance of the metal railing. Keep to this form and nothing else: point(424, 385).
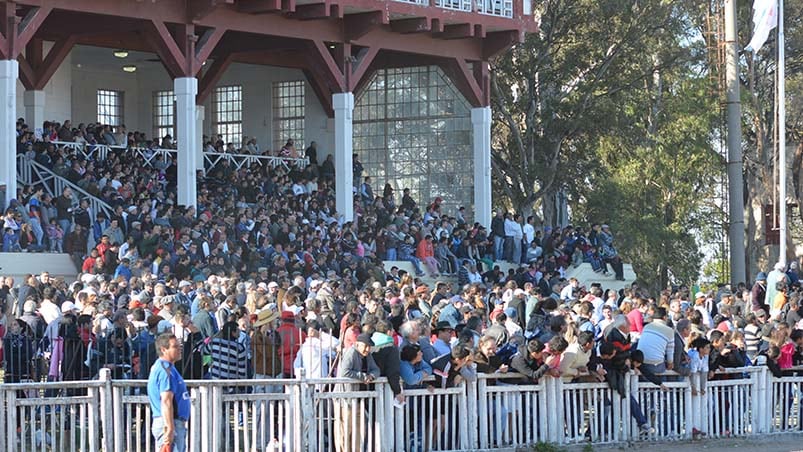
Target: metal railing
point(89, 151)
point(212, 159)
point(499, 8)
point(339, 414)
point(30, 172)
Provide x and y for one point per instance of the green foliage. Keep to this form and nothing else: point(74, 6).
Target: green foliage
point(609, 105)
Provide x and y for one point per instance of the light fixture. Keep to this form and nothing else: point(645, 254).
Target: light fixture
point(121, 53)
point(129, 68)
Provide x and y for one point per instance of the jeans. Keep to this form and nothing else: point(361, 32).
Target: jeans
point(499, 247)
point(391, 254)
point(66, 226)
point(179, 439)
point(515, 256)
point(36, 227)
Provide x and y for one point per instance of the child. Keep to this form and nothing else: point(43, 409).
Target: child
point(56, 236)
point(699, 349)
point(11, 242)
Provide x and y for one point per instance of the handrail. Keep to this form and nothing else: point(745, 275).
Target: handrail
point(213, 158)
point(26, 169)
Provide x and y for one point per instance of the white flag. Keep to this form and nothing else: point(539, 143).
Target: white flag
point(765, 18)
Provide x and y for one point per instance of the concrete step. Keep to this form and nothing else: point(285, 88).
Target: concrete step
point(18, 265)
point(584, 273)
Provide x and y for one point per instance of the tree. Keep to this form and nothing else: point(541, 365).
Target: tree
point(552, 94)
point(613, 105)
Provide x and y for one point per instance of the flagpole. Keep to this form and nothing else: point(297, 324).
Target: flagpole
point(782, 134)
point(735, 165)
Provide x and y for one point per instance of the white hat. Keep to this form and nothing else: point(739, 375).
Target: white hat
point(262, 286)
point(272, 284)
point(779, 266)
point(699, 295)
point(68, 306)
point(184, 283)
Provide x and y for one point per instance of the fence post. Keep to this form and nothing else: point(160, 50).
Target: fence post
point(482, 393)
point(206, 411)
point(107, 411)
point(385, 417)
point(308, 424)
point(761, 401)
point(217, 421)
point(463, 408)
point(471, 394)
point(555, 406)
point(689, 408)
point(3, 410)
point(11, 432)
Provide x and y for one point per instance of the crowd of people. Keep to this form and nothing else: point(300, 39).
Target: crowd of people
point(263, 279)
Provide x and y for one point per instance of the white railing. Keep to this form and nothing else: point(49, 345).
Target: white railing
point(211, 159)
point(30, 172)
point(101, 151)
point(317, 415)
point(89, 151)
point(501, 8)
point(459, 5)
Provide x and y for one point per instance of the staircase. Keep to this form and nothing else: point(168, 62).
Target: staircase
point(30, 172)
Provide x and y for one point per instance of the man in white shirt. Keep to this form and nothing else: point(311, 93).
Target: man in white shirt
point(529, 230)
point(49, 310)
point(567, 293)
point(315, 354)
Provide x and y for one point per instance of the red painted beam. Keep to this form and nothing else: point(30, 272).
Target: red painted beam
point(163, 43)
point(55, 57)
point(16, 33)
point(414, 25)
point(458, 31)
point(212, 76)
point(499, 41)
point(34, 52)
point(199, 9)
point(26, 73)
point(206, 45)
point(482, 74)
point(363, 64)
point(259, 6)
point(324, 64)
point(321, 90)
point(458, 71)
point(314, 11)
point(29, 26)
point(358, 25)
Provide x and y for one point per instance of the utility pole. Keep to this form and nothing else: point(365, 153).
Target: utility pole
point(735, 183)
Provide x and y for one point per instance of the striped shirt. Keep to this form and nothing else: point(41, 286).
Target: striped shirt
point(229, 359)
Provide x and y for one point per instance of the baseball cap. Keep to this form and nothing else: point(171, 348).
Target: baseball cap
point(365, 339)
point(699, 295)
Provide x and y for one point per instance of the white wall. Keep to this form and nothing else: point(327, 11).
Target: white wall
point(72, 93)
point(257, 107)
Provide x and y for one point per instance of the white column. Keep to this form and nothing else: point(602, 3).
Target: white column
point(481, 125)
point(34, 110)
point(9, 72)
point(200, 115)
point(186, 88)
point(343, 104)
